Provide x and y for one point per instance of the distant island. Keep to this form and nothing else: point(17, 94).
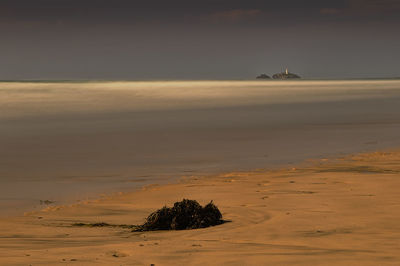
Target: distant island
point(283, 75)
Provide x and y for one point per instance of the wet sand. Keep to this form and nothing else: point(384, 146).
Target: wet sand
point(342, 211)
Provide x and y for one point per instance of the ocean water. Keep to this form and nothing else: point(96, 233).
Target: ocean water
point(68, 141)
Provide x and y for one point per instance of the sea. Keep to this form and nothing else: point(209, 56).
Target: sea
point(67, 141)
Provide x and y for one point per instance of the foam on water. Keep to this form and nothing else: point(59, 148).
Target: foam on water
point(33, 99)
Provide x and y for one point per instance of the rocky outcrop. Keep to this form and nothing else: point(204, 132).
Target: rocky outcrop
point(285, 75)
point(263, 76)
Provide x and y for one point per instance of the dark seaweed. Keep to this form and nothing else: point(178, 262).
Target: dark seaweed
point(186, 214)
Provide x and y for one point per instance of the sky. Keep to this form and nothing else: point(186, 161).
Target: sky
point(204, 39)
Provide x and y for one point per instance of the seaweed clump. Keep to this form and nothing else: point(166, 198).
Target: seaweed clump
point(186, 214)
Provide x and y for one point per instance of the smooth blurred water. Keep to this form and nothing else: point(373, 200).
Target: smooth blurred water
point(71, 140)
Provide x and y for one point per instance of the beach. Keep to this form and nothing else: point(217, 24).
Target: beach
point(323, 212)
point(304, 172)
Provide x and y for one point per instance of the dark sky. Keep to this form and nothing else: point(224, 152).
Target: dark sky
point(204, 39)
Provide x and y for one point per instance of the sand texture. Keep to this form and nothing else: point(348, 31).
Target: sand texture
point(341, 211)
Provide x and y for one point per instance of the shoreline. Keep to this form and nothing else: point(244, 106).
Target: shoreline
point(322, 211)
point(169, 179)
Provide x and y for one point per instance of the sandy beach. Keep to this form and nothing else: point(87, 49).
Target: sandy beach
point(113, 152)
point(322, 212)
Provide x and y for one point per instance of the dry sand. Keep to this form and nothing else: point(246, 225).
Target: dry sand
point(325, 212)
